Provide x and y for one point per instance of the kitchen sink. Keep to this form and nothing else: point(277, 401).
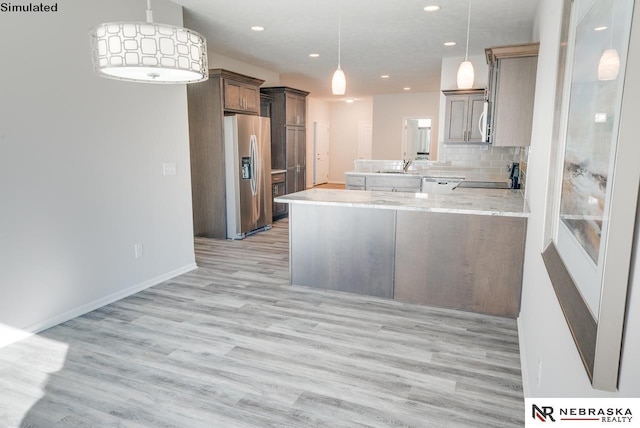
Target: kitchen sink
point(396, 171)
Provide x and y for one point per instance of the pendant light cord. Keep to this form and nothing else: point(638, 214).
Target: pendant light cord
point(339, 31)
point(149, 13)
point(466, 52)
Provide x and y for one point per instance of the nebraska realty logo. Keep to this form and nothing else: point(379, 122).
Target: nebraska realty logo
point(590, 411)
point(545, 413)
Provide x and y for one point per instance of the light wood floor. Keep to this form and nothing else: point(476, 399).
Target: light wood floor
point(330, 186)
point(232, 345)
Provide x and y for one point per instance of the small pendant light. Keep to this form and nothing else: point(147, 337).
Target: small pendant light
point(149, 52)
point(465, 71)
point(609, 64)
point(339, 81)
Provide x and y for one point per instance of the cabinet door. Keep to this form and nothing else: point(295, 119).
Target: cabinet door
point(301, 147)
point(456, 118)
point(301, 179)
point(476, 107)
point(514, 97)
point(279, 189)
point(290, 147)
point(232, 95)
point(250, 98)
point(295, 107)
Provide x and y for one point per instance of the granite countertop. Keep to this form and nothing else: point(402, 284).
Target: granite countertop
point(506, 203)
point(410, 173)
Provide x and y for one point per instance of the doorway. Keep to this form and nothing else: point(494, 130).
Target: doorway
point(321, 152)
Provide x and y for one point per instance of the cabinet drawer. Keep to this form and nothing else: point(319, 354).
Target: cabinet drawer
point(355, 180)
point(278, 178)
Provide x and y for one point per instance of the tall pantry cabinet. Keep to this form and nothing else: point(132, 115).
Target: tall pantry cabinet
point(288, 134)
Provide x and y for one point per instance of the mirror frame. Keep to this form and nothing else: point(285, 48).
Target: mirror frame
point(599, 341)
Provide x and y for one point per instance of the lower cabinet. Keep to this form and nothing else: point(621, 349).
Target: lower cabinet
point(278, 188)
point(384, 182)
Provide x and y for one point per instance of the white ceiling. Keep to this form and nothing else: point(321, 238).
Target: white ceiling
point(394, 37)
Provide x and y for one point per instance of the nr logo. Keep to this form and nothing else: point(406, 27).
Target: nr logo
point(542, 413)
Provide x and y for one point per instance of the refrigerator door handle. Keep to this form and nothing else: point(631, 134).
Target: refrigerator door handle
point(254, 164)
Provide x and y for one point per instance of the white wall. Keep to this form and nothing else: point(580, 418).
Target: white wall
point(388, 112)
point(318, 110)
point(544, 335)
point(216, 60)
point(345, 121)
point(81, 179)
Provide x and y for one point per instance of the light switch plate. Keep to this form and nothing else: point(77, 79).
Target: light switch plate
point(169, 168)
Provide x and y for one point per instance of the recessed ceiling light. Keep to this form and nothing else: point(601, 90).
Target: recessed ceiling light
point(384, 76)
point(349, 100)
point(406, 88)
point(449, 43)
point(432, 8)
point(257, 28)
point(314, 55)
point(600, 28)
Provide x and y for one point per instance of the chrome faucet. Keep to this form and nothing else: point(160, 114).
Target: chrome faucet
point(405, 165)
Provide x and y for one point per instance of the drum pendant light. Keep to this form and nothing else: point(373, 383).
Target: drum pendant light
point(465, 71)
point(339, 81)
point(149, 52)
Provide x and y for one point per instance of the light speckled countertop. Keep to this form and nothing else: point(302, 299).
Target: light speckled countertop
point(506, 203)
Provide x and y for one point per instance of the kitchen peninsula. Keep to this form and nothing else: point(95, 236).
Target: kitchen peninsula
point(462, 250)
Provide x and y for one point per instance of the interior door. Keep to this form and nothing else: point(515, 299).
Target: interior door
point(321, 160)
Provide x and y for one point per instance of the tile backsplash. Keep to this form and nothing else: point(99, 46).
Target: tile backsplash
point(475, 162)
point(494, 159)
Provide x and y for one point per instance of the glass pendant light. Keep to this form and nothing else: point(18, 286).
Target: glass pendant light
point(339, 80)
point(465, 71)
point(149, 52)
point(609, 64)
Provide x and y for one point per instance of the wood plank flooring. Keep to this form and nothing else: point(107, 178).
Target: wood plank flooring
point(231, 344)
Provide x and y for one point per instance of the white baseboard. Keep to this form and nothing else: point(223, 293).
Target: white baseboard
point(9, 335)
point(523, 362)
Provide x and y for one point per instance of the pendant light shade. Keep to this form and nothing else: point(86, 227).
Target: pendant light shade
point(465, 75)
point(149, 52)
point(339, 82)
point(609, 65)
point(465, 71)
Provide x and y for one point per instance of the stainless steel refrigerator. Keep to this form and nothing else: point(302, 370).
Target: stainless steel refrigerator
point(248, 174)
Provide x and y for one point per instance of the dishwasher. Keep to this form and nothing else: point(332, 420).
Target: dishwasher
point(439, 184)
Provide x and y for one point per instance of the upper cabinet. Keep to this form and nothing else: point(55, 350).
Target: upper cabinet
point(296, 109)
point(241, 94)
point(510, 93)
point(463, 115)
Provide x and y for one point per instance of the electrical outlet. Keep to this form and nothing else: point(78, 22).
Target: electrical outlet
point(169, 168)
point(137, 250)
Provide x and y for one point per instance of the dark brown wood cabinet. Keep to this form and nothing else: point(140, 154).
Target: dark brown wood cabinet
point(278, 188)
point(241, 97)
point(287, 109)
point(225, 92)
